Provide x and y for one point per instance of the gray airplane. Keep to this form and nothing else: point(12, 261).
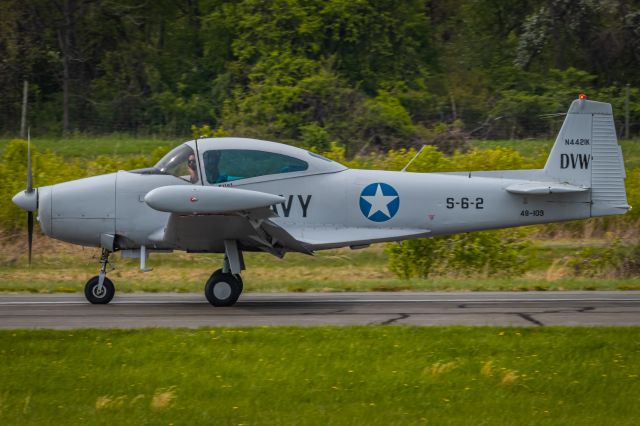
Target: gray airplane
point(232, 195)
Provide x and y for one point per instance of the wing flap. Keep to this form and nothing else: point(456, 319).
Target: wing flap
point(329, 237)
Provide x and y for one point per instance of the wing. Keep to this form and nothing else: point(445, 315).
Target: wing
point(203, 217)
point(251, 229)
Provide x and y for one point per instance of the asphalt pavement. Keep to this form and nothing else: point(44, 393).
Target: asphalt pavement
point(534, 309)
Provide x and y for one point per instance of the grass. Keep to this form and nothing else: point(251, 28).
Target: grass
point(631, 153)
point(362, 375)
point(60, 267)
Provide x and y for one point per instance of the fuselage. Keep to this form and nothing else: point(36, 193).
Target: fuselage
point(439, 203)
point(325, 204)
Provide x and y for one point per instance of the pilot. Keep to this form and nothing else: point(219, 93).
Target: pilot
point(191, 164)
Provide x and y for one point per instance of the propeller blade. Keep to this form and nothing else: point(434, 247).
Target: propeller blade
point(29, 175)
point(30, 233)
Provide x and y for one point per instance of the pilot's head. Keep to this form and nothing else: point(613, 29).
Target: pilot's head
point(191, 164)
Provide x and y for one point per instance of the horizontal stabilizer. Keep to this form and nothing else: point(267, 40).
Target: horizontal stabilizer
point(207, 199)
point(543, 188)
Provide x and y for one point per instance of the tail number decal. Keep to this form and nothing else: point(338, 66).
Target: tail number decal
point(535, 213)
point(575, 161)
point(465, 203)
point(576, 141)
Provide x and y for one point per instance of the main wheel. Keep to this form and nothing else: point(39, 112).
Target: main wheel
point(223, 289)
point(96, 295)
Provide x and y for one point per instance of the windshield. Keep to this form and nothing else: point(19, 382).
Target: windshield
point(180, 162)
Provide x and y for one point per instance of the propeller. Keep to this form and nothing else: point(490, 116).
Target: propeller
point(30, 233)
point(29, 176)
point(29, 191)
point(28, 199)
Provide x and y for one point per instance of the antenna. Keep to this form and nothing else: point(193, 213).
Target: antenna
point(404, 169)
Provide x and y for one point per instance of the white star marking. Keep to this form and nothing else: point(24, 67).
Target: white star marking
point(379, 202)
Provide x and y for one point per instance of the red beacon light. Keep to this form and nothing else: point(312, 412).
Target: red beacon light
point(582, 96)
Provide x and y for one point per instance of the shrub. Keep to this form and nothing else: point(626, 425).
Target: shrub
point(414, 258)
point(489, 253)
point(616, 260)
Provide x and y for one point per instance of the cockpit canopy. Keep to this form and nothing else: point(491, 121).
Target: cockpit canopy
point(224, 160)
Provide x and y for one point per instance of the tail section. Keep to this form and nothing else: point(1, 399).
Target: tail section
point(586, 154)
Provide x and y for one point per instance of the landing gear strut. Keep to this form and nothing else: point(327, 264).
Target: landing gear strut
point(99, 290)
point(225, 285)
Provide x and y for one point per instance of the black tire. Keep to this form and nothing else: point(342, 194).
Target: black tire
point(219, 273)
point(93, 296)
point(223, 289)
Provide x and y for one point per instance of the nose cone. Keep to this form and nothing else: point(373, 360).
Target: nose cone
point(26, 200)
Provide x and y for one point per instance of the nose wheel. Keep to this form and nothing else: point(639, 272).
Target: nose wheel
point(223, 289)
point(99, 294)
point(99, 290)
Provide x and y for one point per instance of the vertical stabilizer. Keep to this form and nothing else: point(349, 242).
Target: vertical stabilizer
point(586, 153)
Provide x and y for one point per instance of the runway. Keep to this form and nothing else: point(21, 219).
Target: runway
point(535, 309)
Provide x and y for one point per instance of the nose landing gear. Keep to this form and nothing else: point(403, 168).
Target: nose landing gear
point(99, 290)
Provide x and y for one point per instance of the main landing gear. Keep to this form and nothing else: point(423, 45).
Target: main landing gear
point(225, 285)
point(99, 290)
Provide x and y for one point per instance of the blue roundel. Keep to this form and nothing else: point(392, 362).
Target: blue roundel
point(379, 202)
